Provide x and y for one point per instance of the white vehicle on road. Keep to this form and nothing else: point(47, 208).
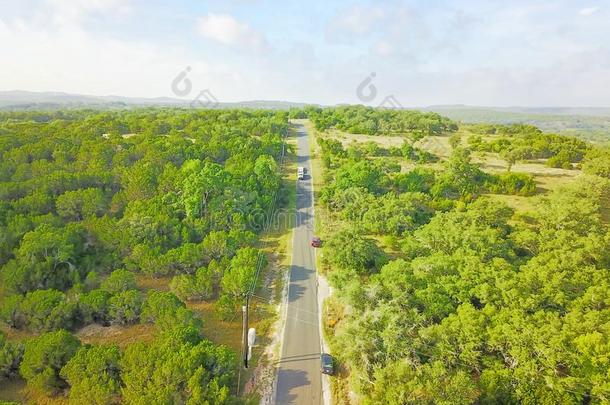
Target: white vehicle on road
point(301, 173)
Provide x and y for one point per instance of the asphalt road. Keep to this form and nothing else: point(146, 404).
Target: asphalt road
point(299, 379)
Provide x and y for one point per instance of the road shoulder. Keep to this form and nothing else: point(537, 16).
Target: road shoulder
point(324, 289)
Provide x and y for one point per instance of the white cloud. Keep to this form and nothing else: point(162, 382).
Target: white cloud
point(75, 61)
point(72, 12)
point(543, 54)
point(588, 11)
point(359, 19)
point(225, 29)
point(383, 48)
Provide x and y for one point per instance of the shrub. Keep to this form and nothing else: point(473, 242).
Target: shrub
point(184, 286)
point(10, 357)
point(560, 160)
point(512, 183)
point(125, 307)
point(94, 306)
point(158, 305)
point(44, 357)
point(10, 311)
point(119, 281)
point(93, 375)
point(597, 163)
point(226, 307)
point(45, 310)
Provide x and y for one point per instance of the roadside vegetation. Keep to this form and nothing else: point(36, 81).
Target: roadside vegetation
point(468, 262)
point(127, 218)
point(371, 121)
point(445, 294)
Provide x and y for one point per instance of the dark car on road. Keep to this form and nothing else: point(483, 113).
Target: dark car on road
point(316, 242)
point(327, 364)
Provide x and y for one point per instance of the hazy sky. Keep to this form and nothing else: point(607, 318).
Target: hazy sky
point(502, 53)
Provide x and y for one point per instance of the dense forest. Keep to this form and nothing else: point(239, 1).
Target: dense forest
point(443, 295)
point(89, 201)
point(371, 121)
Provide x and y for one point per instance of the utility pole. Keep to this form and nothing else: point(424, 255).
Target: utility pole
point(245, 330)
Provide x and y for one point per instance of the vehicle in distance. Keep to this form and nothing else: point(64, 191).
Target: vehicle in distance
point(327, 364)
point(301, 173)
point(316, 242)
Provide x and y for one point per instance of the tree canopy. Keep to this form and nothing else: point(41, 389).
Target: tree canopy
point(443, 295)
point(93, 202)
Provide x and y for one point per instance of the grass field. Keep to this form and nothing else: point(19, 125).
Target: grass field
point(546, 178)
point(591, 124)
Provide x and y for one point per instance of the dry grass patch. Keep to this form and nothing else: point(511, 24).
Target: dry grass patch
point(546, 178)
point(346, 138)
point(518, 203)
point(15, 390)
point(437, 145)
point(15, 335)
point(215, 329)
point(122, 336)
point(146, 282)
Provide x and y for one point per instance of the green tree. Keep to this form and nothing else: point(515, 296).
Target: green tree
point(80, 204)
point(240, 276)
point(184, 286)
point(454, 140)
point(461, 177)
point(175, 370)
point(94, 306)
point(119, 280)
point(125, 307)
point(45, 310)
point(364, 174)
point(10, 311)
point(510, 156)
point(44, 357)
point(160, 304)
point(597, 162)
point(10, 357)
point(348, 249)
point(201, 186)
point(94, 375)
point(46, 258)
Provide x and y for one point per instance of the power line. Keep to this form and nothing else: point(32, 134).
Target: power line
point(270, 214)
point(259, 264)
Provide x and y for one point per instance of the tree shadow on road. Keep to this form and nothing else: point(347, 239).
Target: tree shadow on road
point(287, 381)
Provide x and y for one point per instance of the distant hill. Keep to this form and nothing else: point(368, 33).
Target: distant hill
point(475, 112)
point(27, 100)
point(591, 123)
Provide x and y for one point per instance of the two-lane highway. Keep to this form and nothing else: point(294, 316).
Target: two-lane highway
point(299, 380)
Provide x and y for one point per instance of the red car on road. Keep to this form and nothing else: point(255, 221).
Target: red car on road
point(316, 242)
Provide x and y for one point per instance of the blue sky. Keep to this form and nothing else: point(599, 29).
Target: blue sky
point(502, 53)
